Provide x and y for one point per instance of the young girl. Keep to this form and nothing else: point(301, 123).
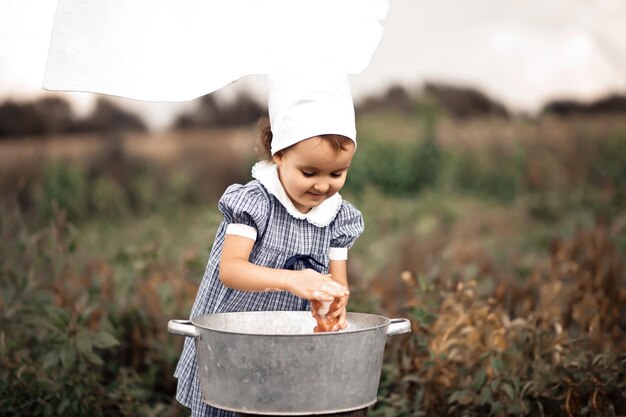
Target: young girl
point(285, 235)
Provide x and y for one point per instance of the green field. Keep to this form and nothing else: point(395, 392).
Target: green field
point(503, 241)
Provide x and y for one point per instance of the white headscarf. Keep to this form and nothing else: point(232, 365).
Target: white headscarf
point(303, 105)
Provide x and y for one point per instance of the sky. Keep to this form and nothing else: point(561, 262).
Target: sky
point(522, 53)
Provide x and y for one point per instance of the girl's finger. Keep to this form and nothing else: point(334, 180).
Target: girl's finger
point(341, 323)
point(342, 302)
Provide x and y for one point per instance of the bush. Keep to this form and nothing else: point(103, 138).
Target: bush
point(550, 346)
point(108, 198)
point(396, 169)
point(72, 341)
point(609, 166)
point(51, 356)
point(63, 187)
point(82, 194)
point(486, 176)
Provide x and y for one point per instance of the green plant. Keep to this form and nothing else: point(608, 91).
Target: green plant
point(609, 166)
point(63, 187)
point(51, 356)
point(108, 198)
point(72, 342)
point(492, 176)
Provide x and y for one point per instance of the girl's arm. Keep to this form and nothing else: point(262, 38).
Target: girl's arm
point(338, 269)
point(236, 271)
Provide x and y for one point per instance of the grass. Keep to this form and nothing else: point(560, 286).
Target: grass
point(491, 233)
point(434, 234)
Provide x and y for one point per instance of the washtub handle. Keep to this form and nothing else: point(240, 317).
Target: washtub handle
point(398, 326)
point(182, 328)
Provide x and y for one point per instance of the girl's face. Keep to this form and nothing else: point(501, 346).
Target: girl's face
point(312, 171)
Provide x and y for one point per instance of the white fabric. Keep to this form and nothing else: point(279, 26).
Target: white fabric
point(307, 104)
point(324, 307)
point(338, 254)
point(176, 50)
point(321, 216)
point(241, 230)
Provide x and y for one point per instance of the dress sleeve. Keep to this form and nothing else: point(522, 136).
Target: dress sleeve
point(346, 228)
point(246, 210)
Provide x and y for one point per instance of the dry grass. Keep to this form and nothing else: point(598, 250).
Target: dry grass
point(167, 148)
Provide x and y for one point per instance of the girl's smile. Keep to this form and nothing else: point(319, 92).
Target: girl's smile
point(312, 171)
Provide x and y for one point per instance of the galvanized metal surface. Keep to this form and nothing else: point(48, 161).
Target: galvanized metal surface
point(272, 362)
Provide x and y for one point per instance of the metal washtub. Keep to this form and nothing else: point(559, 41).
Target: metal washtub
point(272, 363)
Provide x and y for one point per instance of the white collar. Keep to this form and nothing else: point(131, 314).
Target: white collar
point(320, 216)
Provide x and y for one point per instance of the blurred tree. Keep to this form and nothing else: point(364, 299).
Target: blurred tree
point(244, 110)
point(107, 117)
point(464, 102)
point(44, 116)
point(206, 114)
point(18, 119)
point(611, 104)
point(53, 115)
point(397, 98)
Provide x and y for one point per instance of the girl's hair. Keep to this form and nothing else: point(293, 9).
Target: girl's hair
point(264, 145)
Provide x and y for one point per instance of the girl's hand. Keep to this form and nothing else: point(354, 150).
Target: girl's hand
point(312, 285)
point(338, 311)
point(334, 319)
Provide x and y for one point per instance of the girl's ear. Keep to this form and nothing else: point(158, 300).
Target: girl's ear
point(278, 158)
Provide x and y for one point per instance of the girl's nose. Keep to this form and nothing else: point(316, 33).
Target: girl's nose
point(321, 187)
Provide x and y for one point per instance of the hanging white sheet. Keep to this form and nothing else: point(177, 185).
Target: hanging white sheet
point(176, 50)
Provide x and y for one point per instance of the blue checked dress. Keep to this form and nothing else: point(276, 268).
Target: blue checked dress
point(281, 233)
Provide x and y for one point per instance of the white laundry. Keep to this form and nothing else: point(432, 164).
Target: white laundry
point(176, 50)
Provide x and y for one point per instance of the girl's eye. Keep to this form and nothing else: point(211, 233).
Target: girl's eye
point(308, 174)
point(336, 174)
